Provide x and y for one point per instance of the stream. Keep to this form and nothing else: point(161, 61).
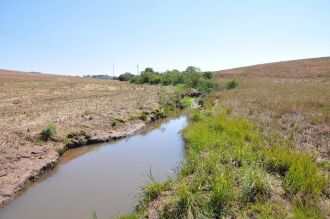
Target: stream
point(106, 177)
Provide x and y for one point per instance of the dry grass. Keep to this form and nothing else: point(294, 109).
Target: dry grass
point(30, 101)
point(291, 97)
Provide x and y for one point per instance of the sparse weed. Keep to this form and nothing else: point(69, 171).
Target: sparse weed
point(143, 116)
point(48, 132)
point(231, 84)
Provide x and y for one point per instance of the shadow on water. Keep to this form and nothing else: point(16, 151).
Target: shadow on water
point(104, 177)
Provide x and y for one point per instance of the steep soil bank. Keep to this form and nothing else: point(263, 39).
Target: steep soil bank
point(20, 167)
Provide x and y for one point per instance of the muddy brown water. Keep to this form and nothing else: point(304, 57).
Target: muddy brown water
point(106, 178)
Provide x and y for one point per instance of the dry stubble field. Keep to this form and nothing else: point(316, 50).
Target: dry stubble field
point(82, 110)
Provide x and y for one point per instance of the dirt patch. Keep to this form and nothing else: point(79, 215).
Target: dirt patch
point(20, 167)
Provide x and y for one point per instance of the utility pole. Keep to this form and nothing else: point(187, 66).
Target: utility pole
point(113, 70)
point(137, 69)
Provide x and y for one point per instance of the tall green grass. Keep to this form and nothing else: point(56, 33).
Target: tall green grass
point(228, 166)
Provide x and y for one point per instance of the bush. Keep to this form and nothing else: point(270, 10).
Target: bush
point(192, 77)
point(136, 80)
point(125, 77)
point(186, 102)
point(207, 75)
point(47, 133)
point(231, 84)
point(205, 85)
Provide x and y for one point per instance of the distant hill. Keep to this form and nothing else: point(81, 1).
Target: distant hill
point(304, 68)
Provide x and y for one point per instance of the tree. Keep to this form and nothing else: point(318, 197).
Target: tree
point(125, 77)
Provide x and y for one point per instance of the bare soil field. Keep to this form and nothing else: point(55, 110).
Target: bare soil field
point(290, 97)
point(82, 110)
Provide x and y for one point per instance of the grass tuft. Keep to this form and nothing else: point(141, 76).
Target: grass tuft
point(48, 132)
point(231, 84)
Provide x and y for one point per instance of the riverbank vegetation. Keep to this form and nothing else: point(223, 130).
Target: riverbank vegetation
point(258, 149)
point(230, 170)
point(192, 77)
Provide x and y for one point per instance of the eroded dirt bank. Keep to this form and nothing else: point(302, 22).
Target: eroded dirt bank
point(20, 167)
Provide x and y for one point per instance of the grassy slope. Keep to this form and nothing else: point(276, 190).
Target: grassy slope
point(260, 150)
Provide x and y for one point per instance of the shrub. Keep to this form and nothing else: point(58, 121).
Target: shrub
point(186, 102)
point(205, 85)
point(207, 75)
point(48, 132)
point(231, 84)
point(180, 86)
point(192, 77)
point(136, 80)
point(125, 77)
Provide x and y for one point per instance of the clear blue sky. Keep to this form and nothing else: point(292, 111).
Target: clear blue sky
point(87, 37)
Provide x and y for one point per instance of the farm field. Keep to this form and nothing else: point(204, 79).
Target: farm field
point(75, 110)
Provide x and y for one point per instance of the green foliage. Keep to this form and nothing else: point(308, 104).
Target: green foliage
point(304, 211)
point(192, 77)
point(48, 132)
point(254, 185)
point(94, 216)
point(153, 190)
point(136, 80)
point(132, 216)
point(143, 116)
point(180, 87)
point(304, 176)
point(197, 116)
point(186, 102)
point(222, 192)
point(228, 167)
point(300, 171)
point(231, 84)
point(267, 210)
point(125, 77)
point(208, 75)
point(187, 204)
